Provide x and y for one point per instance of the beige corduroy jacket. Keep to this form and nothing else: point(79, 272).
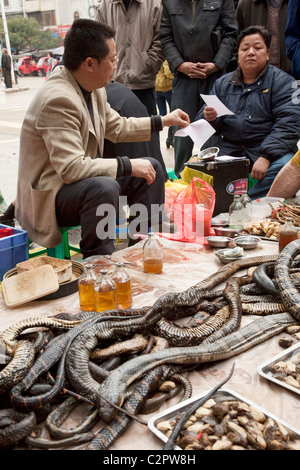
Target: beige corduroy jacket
point(58, 145)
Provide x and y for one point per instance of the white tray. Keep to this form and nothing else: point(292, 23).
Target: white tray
point(183, 406)
point(264, 368)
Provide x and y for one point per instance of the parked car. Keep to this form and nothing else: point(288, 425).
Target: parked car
point(27, 66)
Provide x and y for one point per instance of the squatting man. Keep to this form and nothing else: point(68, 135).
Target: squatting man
point(63, 175)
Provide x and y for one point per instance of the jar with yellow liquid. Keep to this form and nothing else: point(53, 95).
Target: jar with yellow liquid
point(86, 284)
point(123, 285)
point(152, 255)
point(105, 292)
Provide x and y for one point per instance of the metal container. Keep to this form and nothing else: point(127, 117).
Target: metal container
point(218, 242)
point(174, 411)
point(248, 242)
point(226, 231)
point(264, 368)
point(225, 259)
point(209, 154)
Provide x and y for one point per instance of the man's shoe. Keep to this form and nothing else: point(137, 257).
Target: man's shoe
point(4, 220)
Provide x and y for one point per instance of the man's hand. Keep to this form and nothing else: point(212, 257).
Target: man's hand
point(210, 114)
point(176, 118)
point(142, 168)
point(198, 70)
point(260, 168)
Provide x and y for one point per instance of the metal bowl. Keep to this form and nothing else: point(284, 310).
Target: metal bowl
point(218, 242)
point(226, 231)
point(225, 259)
point(248, 242)
point(209, 154)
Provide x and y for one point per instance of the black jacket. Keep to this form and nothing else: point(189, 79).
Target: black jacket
point(198, 31)
point(6, 62)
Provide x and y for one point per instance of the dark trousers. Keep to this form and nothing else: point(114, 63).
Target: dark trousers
point(147, 97)
point(88, 202)
point(7, 78)
point(186, 96)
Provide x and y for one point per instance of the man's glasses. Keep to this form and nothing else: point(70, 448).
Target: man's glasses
point(114, 61)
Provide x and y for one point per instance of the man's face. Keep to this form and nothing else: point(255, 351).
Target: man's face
point(106, 67)
point(252, 55)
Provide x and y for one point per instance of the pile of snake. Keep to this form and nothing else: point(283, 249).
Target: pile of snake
point(115, 364)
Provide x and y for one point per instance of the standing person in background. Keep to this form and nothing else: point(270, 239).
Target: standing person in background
point(50, 64)
point(163, 92)
point(139, 53)
point(271, 14)
point(292, 36)
point(6, 68)
point(16, 71)
point(197, 40)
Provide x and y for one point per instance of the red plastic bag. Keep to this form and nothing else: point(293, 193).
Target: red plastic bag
point(192, 210)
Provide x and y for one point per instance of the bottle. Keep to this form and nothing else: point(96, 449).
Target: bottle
point(86, 288)
point(105, 293)
point(247, 203)
point(287, 233)
point(123, 285)
point(152, 255)
point(236, 213)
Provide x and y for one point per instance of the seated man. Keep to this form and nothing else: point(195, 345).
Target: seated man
point(62, 180)
point(265, 126)
point(287, 182)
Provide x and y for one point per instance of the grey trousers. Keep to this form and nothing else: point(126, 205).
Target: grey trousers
point(78, 203)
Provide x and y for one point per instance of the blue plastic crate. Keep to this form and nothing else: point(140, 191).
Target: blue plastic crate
point(13, 250)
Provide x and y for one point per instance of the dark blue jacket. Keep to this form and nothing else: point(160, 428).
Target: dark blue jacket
point(266, 120)
point(292, 36)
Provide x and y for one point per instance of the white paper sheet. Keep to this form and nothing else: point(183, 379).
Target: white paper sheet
point(199, 131)
point(214, 102)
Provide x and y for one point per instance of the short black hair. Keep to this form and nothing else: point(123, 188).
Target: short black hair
point(86, 38)
point(265, 34)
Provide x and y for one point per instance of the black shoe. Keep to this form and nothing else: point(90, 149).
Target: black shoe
point(170, 142)
point(4, 220)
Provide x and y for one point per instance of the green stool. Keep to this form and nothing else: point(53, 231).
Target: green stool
point(251, 182)
point(171, 174)
point(62, 251)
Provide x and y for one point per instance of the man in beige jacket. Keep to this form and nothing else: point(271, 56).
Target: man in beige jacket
point(62, 180)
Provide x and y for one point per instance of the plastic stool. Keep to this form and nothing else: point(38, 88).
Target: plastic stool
point(171, 174)
point(62, 251)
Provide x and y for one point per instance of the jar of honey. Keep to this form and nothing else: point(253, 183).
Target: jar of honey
point(152, 255)
point(105, 292)
point(123, 285)
point(86, 284)
point(287, 234)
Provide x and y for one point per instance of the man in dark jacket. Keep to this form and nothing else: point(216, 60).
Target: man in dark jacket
point(265, 125)
point(197, 40)
point(6, 68)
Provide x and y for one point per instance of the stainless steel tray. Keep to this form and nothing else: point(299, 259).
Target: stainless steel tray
point(183, 406)
point(264, 368)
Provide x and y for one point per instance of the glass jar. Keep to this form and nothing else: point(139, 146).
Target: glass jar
point(236, 213)
point(105, 292)
point(152, 254)
point(86, 288)
point(123, 285)
point(287, 233)
point(247, 203)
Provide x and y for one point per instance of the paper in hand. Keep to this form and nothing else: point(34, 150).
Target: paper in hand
point(199, 131)
point(214, 102)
